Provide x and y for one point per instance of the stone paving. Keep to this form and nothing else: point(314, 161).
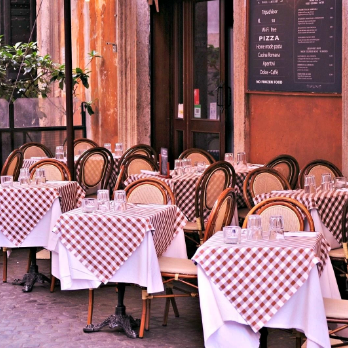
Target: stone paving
point(44, 319)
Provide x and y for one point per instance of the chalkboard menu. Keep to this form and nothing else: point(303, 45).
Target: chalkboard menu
point(295, 46)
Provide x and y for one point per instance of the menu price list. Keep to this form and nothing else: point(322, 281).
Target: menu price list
point(295, 45)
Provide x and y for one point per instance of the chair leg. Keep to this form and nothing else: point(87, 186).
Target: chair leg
point(298, 339)
point(4, 270)
point(143, 314)
point(147, 318)
point(29, 261)
point(53, 283)
point(90, 306)
point(263, 337)
point(166, 311)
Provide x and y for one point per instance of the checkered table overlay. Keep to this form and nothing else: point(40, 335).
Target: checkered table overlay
point(328, 203)
point(259, 277)
point(21, 208)
point(103, 242)
point(27, 163)
point(184, 188)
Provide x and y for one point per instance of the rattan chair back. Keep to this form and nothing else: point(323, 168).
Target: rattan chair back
point(83, 144)
point(222, 213)
point(317, 168)
point(294, 213)
point(94, 167)
point(13, 164)
point(215, 179)
point(54, 170)
point(197, 155)
point(287, 166)
point(263, 180)
point(133, 164)
point(33, 149)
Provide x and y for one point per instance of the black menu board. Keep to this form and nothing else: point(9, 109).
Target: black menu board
point(295, 46)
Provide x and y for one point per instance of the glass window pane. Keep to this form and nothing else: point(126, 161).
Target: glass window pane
point(206, 60)
point(209, 142)
point(4, 120)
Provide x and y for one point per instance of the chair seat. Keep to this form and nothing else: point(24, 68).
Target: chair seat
point(337, 253)
point(191, 227)
point(243, 212)
point(177, 266)
point(336, 308)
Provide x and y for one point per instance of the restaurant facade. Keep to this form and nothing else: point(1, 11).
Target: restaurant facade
point(260, 76)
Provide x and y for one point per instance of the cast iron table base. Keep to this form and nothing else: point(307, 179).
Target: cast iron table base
point(120, 320)
point(29, 279)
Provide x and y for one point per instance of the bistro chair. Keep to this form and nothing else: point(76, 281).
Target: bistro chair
point(33, 149)
point(287, 166)
point(197, 155)
point(215, 179)
point(54, 170)
point(94, 167)
point(293, 212)
point(184, 270)
point(149, 191)
point(263, 180)
point(13, 164)
point(317, 168)
point(141, 149)
point(83, 144)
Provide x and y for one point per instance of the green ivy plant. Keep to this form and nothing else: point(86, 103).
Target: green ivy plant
point(35, 73)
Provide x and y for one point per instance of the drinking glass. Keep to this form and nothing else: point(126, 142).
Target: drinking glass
point(340, 182)
point(200, 167)
point(6, 181)
point(229, 158)
point(187, 165)
point(40, 177)
point(59, 152)
point(276, 227)
point(24, 177)
point(232, 234)
point(118, 149)
point(107, 146)
point(241, 158)
point(89, 205)
point(254, 227)
point(309, 184)
point(326, 181)
point(120, 200)
point(178, 167)
point(103, 200)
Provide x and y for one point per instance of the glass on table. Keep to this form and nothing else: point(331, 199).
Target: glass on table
point(89, 205)
point(6, 181)
point(309, 184)
point(107, 146)
point(24, 177)
point(340, 182)
point(40, 177)
point(232, 234)
point(120, 200)
point(241, 158)
point(200, 167)
point(178, 167)
point(103, 200)
point(187, 165)
point(59, 153)
point(276, 227)
point(118, 149)
point(326, 182)
point(254, 228)
point(229, 158)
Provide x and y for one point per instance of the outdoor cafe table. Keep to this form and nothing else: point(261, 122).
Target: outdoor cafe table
point(28, 214)
point(278, 283)
point(324, 206)
point(117, 246)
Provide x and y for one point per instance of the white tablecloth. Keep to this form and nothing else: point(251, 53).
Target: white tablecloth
point(225, 328)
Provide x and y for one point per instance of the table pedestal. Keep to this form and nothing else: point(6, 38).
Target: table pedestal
point(29, 279)
point(119, 320)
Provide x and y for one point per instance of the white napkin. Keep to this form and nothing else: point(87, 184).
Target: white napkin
point(149, 172)
point(280, 191)
point(301, 234)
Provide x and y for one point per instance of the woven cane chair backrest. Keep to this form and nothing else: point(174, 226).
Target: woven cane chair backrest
point(146, 193)
point(13, 164)
point(197, 155)
point(54, 170)
point(133, 164)
point(222, 213)
point(83, 144)
point(141, 149)
point(35, 150)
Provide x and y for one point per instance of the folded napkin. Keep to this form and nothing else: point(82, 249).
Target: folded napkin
point(254, 166)
point(281, 191)
point(301, 234)
point(149, 172)
point(342, 189)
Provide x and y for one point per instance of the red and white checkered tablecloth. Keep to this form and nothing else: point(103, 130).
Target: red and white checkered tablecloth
point(21, 208)
point(103, 242)
point(328, 203)
point(259, 277)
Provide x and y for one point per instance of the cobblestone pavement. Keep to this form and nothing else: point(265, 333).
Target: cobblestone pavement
point(44, 319)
